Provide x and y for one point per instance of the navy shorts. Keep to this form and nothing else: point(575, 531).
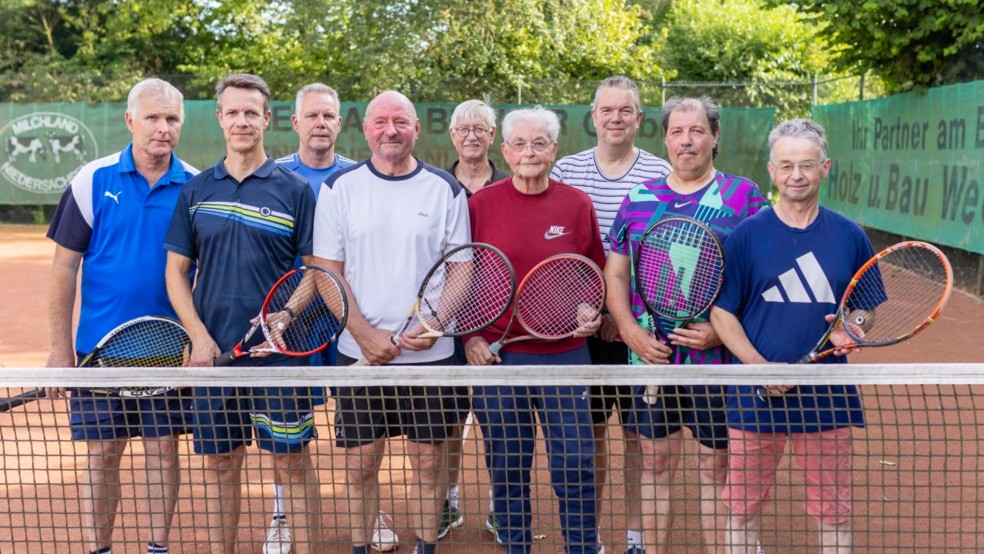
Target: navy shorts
point(94, 416)
point(698, 408)
point(364, 415)
point(606, 398)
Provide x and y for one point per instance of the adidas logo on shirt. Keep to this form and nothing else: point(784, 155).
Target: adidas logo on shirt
point(795, 288)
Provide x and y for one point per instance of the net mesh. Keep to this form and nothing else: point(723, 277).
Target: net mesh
point(560, 295)
point(915, 471)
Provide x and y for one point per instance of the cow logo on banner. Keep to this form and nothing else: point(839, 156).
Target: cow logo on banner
point(44, 150)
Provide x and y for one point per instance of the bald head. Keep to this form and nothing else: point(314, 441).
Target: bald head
point(389, 100)
point(391, 128)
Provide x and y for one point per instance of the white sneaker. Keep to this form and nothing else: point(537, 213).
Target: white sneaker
point(278, 540)
point(383, 538)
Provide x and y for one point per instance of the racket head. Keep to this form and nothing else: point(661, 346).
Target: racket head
point(679, 268)
point(467, 290)
point(906, 286)
point(149, 341)
point(304, 312)
point(559, 295)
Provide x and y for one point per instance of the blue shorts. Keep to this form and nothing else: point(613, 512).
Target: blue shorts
point(364, 415)
point(699, 408)
point(94, 416)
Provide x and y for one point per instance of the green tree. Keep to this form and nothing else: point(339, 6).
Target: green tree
point(747, 41)
point(908, 43)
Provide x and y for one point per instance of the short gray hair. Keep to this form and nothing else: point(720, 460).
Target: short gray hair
point(153, 87)
point(800, 128)
point(318, 88)
point(473, 109)
point(247, 81)
point(687, 104)
point(538, 115)
point(622, 82)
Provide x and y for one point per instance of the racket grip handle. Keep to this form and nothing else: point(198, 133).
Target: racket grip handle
point(807, 359)
point(495, 347)
point(224, 360)
point(21, 399)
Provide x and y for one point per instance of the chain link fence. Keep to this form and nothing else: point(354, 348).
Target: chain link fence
point(789, 98)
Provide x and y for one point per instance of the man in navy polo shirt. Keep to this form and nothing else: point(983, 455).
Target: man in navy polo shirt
point(244, 222)
point(113, 218)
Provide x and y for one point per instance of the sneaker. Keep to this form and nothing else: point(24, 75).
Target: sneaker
point(600, 549)
point(278, 539)
point(451, 519)
point(383, 538)
point(635, 549)
point(492, 526)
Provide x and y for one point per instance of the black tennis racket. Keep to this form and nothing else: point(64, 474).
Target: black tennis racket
point(555, 298)
point(891, 298)
point(150, 341)
point(303, 313)
point(679, 269)
point(467, 290)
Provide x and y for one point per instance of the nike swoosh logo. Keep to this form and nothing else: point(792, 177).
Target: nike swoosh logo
point(549, 236)
point(682, 204)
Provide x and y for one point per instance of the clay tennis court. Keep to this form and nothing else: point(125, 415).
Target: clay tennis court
point(918, 477)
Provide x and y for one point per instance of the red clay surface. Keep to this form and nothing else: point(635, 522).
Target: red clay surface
point(917, 469)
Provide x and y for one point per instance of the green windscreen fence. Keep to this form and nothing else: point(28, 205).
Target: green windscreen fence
point(911, 164)
point(44, 145)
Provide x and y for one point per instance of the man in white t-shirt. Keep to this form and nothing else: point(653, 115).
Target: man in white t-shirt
point(606, 173)
point(390, 211)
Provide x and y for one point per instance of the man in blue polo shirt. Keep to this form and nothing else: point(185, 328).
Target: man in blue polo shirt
point(244, 221)
point(113, 218)
point(317, 121)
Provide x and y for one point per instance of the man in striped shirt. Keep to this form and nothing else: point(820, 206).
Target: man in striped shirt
point(606, 173)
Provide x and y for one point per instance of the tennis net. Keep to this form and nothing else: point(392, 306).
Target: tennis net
point(914, 471)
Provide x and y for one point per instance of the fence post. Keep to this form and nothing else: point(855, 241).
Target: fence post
point(861, 87)
point(662, 89)
point(814, 89)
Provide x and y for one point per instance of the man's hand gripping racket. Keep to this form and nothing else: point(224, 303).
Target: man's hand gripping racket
point(468, 289)
point(560, 297)
point(303, 313)
point(679, 269)
point(149, 341)
point(891, 298)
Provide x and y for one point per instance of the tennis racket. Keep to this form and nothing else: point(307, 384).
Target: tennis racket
point(467, 290)
point(149, 341)
point(556, 297)
point(303, 313)
point(679, 269)
point(890, 299)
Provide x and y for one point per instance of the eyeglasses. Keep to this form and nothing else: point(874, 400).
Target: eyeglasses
point(539, 146)
point(463, 131)
point(808, 166)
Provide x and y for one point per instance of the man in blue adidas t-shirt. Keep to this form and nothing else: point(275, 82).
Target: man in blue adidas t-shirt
point(111, 221)
point(245, 221)
point(786, 269)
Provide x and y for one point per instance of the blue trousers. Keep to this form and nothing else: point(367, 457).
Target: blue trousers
point(507, 417)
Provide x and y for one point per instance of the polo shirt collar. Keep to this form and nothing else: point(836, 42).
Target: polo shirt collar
point(175, 173)
point(262, 172)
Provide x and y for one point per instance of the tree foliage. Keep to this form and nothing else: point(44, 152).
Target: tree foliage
point(746, 41)
point(908, 43)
